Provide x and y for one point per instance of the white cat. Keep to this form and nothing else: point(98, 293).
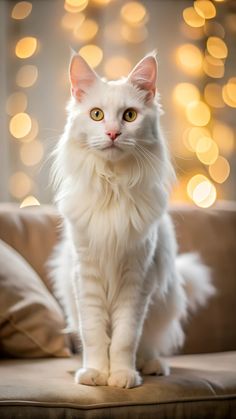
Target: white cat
point(112, 173)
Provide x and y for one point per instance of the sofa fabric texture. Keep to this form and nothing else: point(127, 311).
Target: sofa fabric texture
point(202, 383)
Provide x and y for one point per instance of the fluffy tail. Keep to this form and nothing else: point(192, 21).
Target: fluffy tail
point(196, 279)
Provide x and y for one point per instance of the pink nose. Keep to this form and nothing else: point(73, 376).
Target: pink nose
point(113, 134)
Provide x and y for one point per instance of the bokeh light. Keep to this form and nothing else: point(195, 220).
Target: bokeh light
point(71, 20)
point(220, 170)
point(27, 76)
point(198, 113)
point(26, 47)
point(16, 102)
point(117, 66)
point(207, 150)
point(134, 13)
point(229, 92)
point(192, 18)
point(20, 125)
point(101, 2)
point(213, 96)
point(193, 182)
point(206, 145)
point(217, 47)
point(75, 6)
point(31, 153)
point(189, 58)
point(32, 133)
point(86, 30)
point(75, 3)
point(19, 184)
point(21, 10)
point(204, 195)
point(29, 201)
point(213, 67)
point(201, 191)
point(205, 9)
point(192, 136)
point(92, 54)
point(184, 93)
point(223, 135)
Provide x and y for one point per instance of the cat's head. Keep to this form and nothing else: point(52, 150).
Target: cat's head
point(114, 118)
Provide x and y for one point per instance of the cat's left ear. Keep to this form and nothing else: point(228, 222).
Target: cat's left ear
point(81, 76)
point(144, 76)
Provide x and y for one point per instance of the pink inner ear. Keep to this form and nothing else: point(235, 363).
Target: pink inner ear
point(144, 76)
point(81, 76)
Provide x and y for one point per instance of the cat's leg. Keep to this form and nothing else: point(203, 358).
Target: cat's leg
point(93, 319)
point(127, 321)
point(162, 331)
point(157, 332)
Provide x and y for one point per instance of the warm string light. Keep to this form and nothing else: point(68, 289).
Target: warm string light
point(92, 54)
point(22, 126)
point(129, 26)
point(210, 141)
point(21, 10)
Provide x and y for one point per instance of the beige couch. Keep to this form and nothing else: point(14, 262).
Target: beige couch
point(202, 383)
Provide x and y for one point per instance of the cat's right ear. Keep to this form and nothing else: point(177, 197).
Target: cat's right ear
point(81, 76)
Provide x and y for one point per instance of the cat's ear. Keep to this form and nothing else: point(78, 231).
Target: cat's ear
point(81, 76)
point(144, 76)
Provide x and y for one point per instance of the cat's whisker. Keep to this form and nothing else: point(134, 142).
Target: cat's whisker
point(152, 155)
point(97, 137)
point(155, 159)
point(140, 167)
point(146, 142)
point(147, 158)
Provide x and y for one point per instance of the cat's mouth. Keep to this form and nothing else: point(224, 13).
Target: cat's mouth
point(112, 146)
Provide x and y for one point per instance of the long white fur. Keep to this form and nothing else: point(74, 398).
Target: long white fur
point(119, 251)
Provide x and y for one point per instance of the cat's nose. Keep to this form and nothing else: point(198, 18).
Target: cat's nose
point(113, 134)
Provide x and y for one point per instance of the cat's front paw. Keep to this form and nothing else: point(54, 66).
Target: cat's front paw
point(91, 377)
point(124, 378)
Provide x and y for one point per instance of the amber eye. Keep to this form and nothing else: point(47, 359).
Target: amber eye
point(130, 115)
point(97, 114)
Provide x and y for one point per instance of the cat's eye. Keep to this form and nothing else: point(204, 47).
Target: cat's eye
point(96, 114)
point(130, 115)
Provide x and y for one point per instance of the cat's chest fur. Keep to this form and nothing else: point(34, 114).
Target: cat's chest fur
point(111, 215)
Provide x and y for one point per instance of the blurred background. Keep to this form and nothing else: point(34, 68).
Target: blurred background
point(196, 45)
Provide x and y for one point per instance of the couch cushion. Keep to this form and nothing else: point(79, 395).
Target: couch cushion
point(31, 321)
point(32, 232)
point(198, 387)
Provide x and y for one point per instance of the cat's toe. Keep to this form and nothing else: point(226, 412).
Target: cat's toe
point(91, 377)
point(125, 379)
point(156, 366)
